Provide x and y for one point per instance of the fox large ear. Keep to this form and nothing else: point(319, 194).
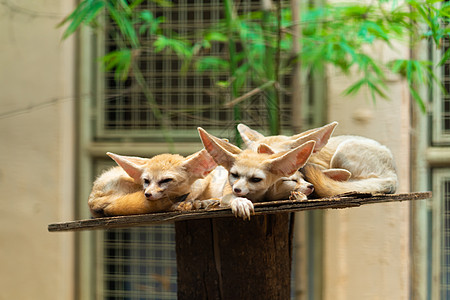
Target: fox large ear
point(264, 148)
point(200, 163)
point(224, 143)
point(220, 154)
point(249, 136)
point(338, 174)
point(292, 160)
point(320, 135)
point(129, 164)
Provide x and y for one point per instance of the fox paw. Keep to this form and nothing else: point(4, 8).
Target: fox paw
point(242, 207)
point(298, 196)
point(183, 206)
point(207, 204)
point(98, 206)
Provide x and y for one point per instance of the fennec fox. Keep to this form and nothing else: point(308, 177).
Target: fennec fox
point(251, 174)
point(279, 143)
point(343, 164)
point(141, 185)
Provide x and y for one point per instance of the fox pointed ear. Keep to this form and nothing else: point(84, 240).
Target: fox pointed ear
point(129, 165)
point(289, 162)
point(249, 136)
point(264, 148)
point(200, 163)
point(220, 155)
point(338, 174)
point(320, 135)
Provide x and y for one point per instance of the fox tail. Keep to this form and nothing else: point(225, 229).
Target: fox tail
point(327, 187)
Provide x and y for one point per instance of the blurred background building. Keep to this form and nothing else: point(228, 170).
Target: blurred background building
point(60, 113)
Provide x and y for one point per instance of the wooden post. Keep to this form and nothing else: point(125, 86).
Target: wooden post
point(228, 258)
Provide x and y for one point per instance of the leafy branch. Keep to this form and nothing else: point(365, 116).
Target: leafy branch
point(257, 46)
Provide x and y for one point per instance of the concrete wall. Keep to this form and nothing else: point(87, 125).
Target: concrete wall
point(36, 150)
point(367, 248)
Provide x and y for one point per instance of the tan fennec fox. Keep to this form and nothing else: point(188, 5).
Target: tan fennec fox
point(343, 164)
point(280, 143)
point(251, 174)
point(141, 185)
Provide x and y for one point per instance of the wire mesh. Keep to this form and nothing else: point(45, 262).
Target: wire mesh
point(445, 239)
point(186, 99)
point(445, 105)
point(139, 263)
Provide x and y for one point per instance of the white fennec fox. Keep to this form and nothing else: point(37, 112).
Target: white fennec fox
point(141, 185)
point(251, 174)
point(343, 164)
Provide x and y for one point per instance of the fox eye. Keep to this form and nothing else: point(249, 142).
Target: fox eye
point(165, 180)
point(235, 175)
point(146, 181)
point(255, 179)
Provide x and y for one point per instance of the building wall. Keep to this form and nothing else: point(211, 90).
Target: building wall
point(36, 150)
point(367, 248)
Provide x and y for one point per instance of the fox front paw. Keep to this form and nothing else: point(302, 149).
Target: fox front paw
point(98, 206)
point(183, 206)
point(298, 196)
point(242, 207)
point(207, 204)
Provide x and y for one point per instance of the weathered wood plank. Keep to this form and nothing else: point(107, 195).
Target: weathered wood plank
point(343, 201)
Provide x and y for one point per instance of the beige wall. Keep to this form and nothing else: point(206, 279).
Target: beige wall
point(367, 248)
point(36, 147)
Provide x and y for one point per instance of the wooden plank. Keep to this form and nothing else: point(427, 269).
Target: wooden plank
point(338, 202)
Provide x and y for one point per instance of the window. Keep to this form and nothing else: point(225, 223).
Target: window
point(139, 263)
point(187, 99)
point(441, 234)
point(441, 107)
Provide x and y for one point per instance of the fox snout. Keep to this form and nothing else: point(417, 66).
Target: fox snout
point(240, 188)
point(239, 192)
point(151, 194)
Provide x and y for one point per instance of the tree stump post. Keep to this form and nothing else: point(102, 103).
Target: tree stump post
point(229, 258)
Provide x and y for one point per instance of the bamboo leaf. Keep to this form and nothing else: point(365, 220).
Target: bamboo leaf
point(119, 61)
point(418, 99)
point(211, 63)
point(444, 58)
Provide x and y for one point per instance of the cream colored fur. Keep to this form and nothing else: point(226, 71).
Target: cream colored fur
point(342, 164)
point(252, 173)
point(140, 185)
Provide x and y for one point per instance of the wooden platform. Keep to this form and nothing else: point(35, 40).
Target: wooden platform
point(273, 207)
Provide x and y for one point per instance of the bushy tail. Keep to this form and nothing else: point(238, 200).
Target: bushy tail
point(327, 187)
point(128, 204)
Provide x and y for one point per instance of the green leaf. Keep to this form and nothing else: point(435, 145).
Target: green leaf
point(354, 88)
point(119, 61)
point(418, 99)
point(85, 13)
point(163, 3)
point(444, 58)
point(211, 63)
point(181, 48)
point(216, 36)
point(125, 25)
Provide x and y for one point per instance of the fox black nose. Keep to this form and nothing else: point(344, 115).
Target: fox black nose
point(148, 195)
point(237, 191)
point(310, 186)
